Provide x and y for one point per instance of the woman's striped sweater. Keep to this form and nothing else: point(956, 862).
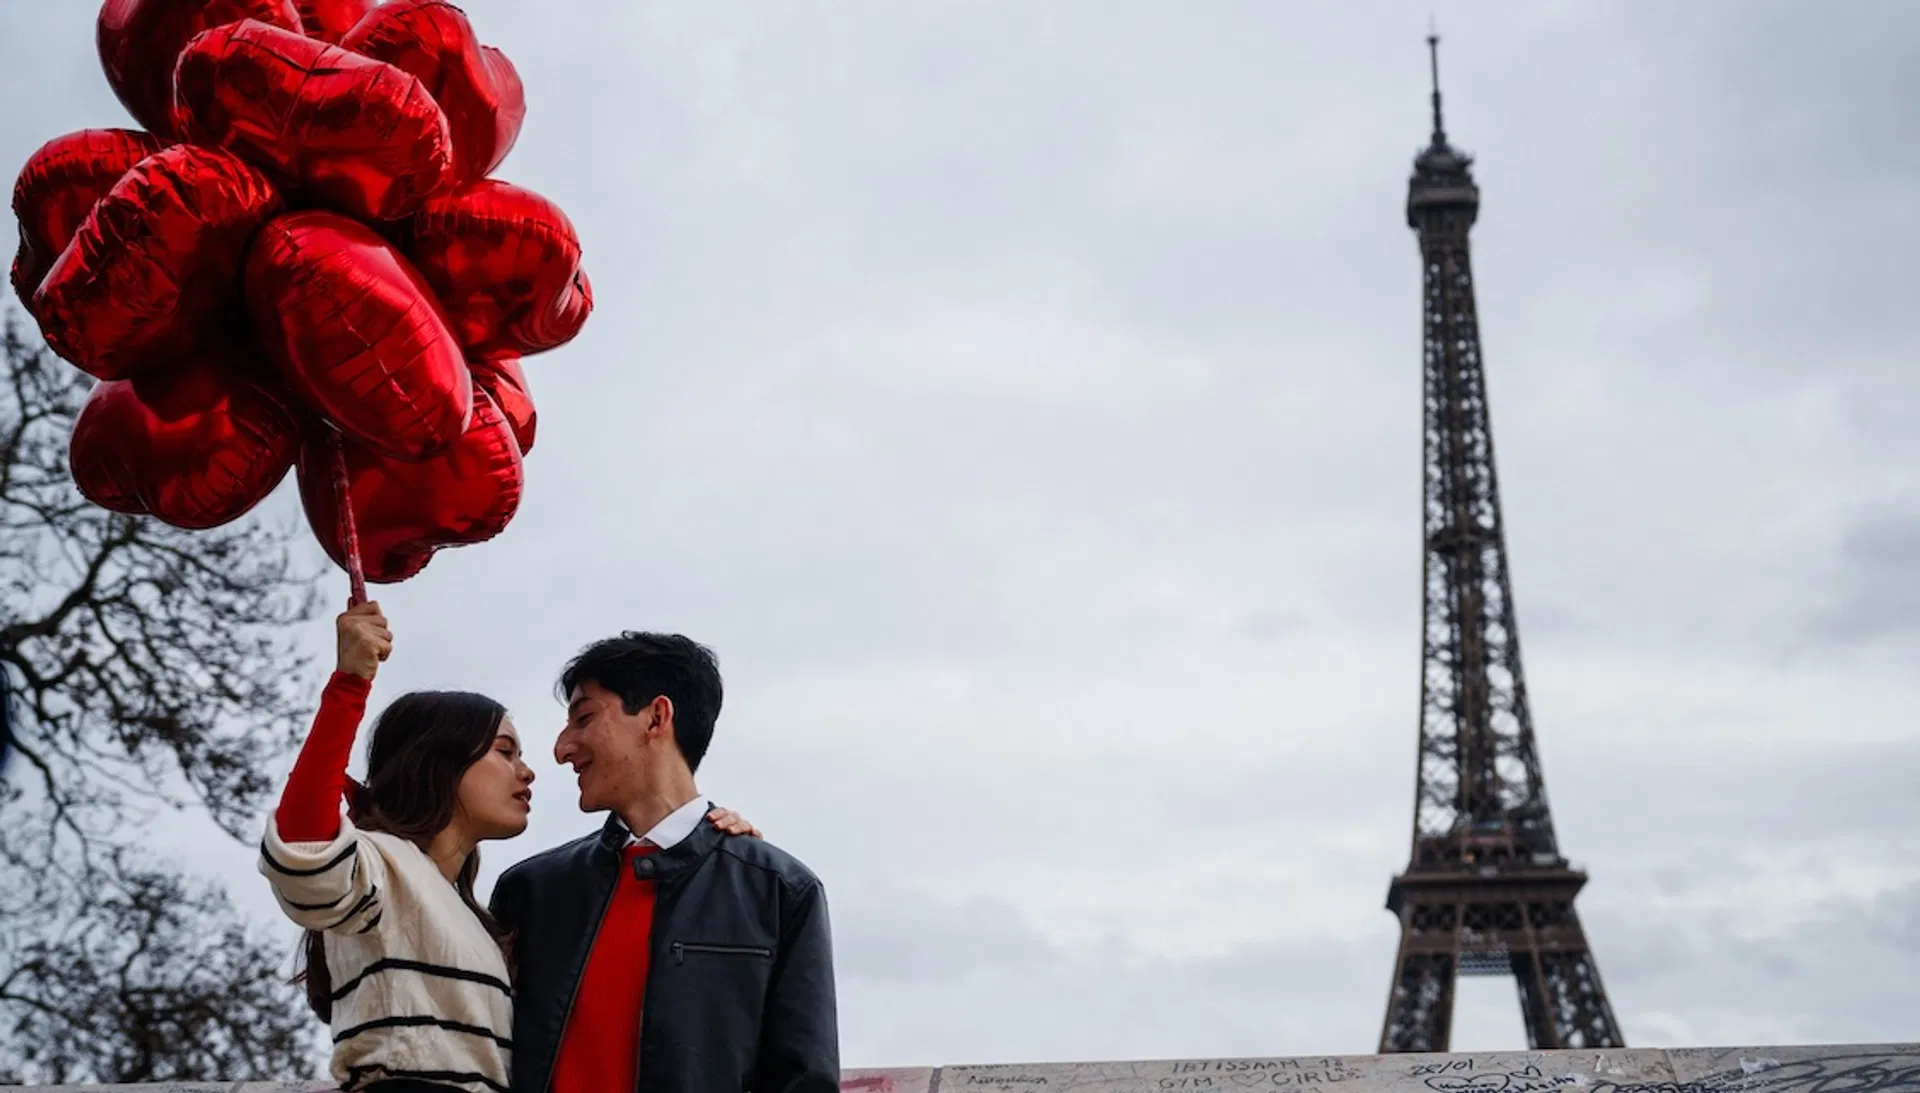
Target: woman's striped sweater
point(420, 989)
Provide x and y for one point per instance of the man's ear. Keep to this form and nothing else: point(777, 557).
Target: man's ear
point(660, 715)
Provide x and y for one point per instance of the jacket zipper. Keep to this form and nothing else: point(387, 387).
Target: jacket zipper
point(663, 892)
point(575, 996)
point(682, 948)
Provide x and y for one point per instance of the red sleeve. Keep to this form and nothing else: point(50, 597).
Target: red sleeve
point(310, 805)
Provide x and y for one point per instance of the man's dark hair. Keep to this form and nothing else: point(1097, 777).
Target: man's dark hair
point(640, 667)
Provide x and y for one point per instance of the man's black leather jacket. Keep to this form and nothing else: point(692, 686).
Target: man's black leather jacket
point(740, 992)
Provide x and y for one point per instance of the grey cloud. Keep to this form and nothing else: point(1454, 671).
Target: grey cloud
point(907, 937)
point(1878, 587)
point(1107, 1001)
point(1844, 971)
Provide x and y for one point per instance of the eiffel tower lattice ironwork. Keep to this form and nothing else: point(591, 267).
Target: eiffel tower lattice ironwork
point(1486, 891)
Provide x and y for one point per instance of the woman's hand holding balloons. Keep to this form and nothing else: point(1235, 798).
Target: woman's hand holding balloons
point(364, 640)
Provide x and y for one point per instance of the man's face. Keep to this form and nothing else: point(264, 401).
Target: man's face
point(606, 746)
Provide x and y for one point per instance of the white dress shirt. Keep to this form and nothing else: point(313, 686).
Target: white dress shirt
point(679, 823)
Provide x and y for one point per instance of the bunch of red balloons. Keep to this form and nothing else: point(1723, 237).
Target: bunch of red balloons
point(300, 261)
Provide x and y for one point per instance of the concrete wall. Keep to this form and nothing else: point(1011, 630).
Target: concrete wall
point(1877, 1068)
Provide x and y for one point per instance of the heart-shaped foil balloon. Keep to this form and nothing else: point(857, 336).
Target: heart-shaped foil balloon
point(98, 451)
point(337, 129)
point(155, 264)
point(504, 381)
point(506, 265)
point(476, 86)
point(58, 188)
point(196, 444)
point(140, 41)
point(405, 511)
point(330, 20)
point(357, 335)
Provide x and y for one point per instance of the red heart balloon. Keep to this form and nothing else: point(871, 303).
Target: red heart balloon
point(155, 263)
point(140, 40)
point(58, 188)
point(357, 335)
point(476, 86)
point(97, 457)
point(329, 20)
point(197, 444)
point(338, 129)
point(506, 384)
point(405, 511)
point(505, 263)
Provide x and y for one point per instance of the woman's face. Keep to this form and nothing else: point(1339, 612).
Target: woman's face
point(496, 792)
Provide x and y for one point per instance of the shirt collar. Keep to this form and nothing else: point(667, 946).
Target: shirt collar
point(679, 823)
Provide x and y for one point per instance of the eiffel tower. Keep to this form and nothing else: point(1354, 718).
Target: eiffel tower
point(1486, 890)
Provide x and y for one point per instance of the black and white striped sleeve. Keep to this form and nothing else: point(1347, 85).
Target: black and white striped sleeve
point(333, 886)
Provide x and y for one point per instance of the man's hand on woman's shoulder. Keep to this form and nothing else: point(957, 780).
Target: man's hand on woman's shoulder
point(733, 823)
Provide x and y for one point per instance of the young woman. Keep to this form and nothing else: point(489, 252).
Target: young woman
point(403, 962)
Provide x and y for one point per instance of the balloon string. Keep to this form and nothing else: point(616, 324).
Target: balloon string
point(349, 536)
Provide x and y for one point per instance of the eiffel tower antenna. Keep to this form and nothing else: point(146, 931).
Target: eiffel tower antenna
point(1433, 60)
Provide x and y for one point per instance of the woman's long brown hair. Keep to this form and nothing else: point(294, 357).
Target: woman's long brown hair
point(420, 747)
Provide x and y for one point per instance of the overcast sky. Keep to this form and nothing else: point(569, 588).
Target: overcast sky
point(1024, 401)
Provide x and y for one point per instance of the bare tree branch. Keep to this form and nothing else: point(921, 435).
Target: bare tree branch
point(159, 981)
point(153, 669)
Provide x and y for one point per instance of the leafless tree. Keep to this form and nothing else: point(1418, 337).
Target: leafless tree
point(151, 669)
point(156, 979)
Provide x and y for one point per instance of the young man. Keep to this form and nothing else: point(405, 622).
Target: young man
point(662, 955)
